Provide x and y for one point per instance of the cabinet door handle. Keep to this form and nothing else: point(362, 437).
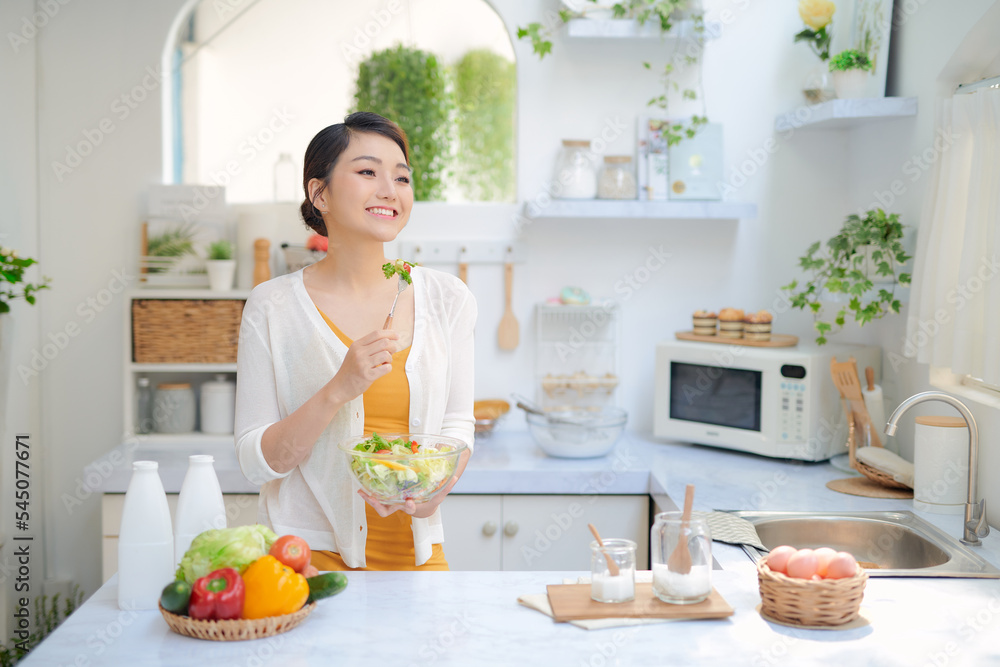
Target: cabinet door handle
point(489, 528)
point(510, 528)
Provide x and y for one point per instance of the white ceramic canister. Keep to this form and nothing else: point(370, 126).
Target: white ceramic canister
point(940, 465)
point(218, 405)
point(145, 540)
point(200, 506)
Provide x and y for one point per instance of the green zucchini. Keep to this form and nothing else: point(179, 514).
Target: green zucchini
point(175, 597)
point(326, 585)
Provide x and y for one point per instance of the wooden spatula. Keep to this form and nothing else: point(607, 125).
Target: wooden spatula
point(508, 334)
point(845, 377)
point(612, 565)
point(680, 560)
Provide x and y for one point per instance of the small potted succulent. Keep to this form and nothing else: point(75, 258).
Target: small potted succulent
point(221, 266)
point(867, 251)
point(850, 70)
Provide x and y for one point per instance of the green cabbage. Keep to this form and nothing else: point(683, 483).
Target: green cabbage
point(230, 547)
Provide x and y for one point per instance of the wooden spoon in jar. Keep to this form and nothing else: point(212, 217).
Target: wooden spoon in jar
point(680, 560)
point(612, 565)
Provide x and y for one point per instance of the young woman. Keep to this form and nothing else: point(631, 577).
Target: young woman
point(315, 367)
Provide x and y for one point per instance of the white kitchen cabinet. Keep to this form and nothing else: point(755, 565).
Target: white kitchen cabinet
point(241, 510)
point(539, 532)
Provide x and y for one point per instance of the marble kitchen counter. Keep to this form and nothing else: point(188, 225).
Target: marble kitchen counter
point(472, 618)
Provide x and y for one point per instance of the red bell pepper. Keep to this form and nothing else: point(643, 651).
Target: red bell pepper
point(217, 596)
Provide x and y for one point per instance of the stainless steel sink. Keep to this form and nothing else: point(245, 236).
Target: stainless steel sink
point(889, 544)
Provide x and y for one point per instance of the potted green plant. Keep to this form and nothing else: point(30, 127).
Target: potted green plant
point(867, 250)
point(221, 266)
point(850, 70)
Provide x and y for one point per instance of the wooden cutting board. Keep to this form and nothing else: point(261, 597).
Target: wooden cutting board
point(572, 602)
point(777, 340)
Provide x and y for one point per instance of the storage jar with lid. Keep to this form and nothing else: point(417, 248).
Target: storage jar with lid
point(616, 180)
point(218, 405)
point(575, 175)
point(174, 408)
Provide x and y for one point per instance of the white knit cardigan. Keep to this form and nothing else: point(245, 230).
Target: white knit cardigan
point(287, 353)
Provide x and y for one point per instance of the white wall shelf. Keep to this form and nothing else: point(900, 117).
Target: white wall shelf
point(187, 293)
point(617, 209)
point(630, 29)
point(183, 368)
point(841, 114)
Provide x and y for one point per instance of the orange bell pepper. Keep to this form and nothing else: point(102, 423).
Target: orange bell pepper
point(272, 589)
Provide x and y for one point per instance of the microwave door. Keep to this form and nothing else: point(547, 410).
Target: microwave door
point(716, 395)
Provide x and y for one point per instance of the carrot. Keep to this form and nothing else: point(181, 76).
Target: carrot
point(413, 446)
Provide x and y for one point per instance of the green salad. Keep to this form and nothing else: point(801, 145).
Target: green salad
point(394, 481)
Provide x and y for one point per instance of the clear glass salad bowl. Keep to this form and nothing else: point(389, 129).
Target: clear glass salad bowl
point(397, 467)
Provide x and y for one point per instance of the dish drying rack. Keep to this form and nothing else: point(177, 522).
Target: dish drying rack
point(576, 363)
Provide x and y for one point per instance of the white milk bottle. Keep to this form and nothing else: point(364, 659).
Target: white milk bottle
point(200, 506)
point(145, 541)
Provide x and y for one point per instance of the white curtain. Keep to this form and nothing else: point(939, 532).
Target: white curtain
point(954, 319)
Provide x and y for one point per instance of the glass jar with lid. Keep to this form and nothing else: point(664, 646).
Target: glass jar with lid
point(575, 175)
point(616, 180)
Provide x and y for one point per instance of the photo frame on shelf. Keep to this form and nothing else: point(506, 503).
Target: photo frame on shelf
point(651, 158)
point(696, 166)
point(183, 221)
point(865, 25)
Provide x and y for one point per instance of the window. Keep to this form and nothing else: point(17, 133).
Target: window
point(256, 79)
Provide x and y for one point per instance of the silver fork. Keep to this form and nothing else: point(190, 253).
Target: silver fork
point(399, 290)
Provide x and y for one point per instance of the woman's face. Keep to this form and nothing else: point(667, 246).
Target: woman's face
point(369, 195)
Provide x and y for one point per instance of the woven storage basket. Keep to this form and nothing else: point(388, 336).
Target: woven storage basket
point(201, 331)
point(808, 602)
point(236, 630)
point(871, 473)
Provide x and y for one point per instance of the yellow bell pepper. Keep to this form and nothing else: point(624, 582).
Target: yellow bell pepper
point(272, 589)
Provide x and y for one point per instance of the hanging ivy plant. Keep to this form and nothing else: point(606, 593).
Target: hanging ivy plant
point(664, 13)
point(409, 87)
point(484, 98)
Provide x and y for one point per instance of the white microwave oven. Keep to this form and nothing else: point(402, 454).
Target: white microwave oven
point(772, 401)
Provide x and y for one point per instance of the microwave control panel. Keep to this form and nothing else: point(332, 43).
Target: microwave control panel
point(793, 408)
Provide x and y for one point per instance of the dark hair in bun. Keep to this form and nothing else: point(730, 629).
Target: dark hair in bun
point(325, 148)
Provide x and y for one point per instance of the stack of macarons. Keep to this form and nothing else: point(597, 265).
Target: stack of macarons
point(704, 322)
point(731, 323)
point(757, 326)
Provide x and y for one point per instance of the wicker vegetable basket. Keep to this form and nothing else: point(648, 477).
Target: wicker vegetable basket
point(808, 602)
point(235, 630)
point(202, 331)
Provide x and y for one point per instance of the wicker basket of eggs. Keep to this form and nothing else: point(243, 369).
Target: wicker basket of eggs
point(810, 587)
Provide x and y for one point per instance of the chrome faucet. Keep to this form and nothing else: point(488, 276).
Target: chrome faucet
point(975, 526)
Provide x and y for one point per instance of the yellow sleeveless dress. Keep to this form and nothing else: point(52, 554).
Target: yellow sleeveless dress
point(390, 539)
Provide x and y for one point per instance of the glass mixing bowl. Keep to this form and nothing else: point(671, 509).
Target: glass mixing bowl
point(578, 434)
